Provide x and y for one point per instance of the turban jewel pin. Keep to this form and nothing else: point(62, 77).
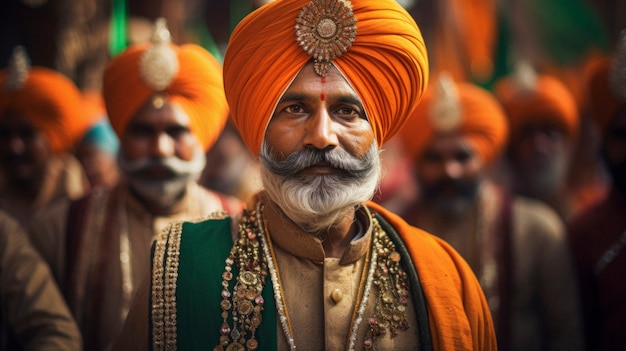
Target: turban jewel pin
point(18, 69)
point(159, 65)
point(325, 29)
point(445, 113)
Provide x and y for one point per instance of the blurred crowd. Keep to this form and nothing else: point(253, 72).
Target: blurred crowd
point(516, 156)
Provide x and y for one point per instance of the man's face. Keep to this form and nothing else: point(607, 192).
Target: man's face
point(449, 173)
point(319, 158)
point(159, 155)
point(540, 155)
point(24, 150)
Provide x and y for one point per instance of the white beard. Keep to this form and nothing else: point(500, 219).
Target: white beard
point(165, 192)
point(317, 203)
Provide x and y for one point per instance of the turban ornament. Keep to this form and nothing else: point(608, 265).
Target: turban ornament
point(325, 29)
point(18, 69)
point(159, 65)
point(525, 77)
point(161, 72)
point(617, 69)
point(445, 113)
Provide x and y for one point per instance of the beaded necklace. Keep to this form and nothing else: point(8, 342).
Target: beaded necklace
point(254, 255)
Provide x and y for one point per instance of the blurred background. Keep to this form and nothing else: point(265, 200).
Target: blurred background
point(477, 40)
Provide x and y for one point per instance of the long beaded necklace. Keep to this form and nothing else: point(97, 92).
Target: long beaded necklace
point(246, 303)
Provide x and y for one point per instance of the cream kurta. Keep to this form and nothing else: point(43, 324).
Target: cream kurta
point(318, 322)
point(101, 272)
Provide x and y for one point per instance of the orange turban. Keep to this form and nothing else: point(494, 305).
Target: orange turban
point(50, 101)
point(478, 116)
point(547, 99)
point(197, 88)
point(387, 65)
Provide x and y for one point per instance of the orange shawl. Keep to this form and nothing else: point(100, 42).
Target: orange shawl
point(459, 316)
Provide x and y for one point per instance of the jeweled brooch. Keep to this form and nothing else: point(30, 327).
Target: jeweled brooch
point(18, 69)
point(159, 64)
point(445, 113)
point(325, 29)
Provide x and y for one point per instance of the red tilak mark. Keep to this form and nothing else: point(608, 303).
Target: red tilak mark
point(322, 96)
point(323, 80)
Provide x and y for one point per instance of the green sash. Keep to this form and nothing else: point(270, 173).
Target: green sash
point(204, 247)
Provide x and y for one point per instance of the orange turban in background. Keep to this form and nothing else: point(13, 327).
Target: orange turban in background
point(387, 65)
point(51, 102)
point(548, 99)
point(197, 88)
point(477, 115)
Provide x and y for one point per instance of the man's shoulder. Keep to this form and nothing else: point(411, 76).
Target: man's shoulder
point(228, 203)
point(214, 226)
point(536, 214)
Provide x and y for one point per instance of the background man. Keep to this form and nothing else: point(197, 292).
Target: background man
point(544, 127)
point(40, 121)
point(166, 104)
point(516, 246)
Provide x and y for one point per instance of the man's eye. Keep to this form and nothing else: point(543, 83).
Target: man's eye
point(294, 109)
point(348, 112)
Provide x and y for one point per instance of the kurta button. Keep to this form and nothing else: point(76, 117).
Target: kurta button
point(336, 295)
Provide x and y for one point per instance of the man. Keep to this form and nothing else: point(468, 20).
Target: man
point(313, 265)
point(167, 105)
point(598, 235)
point(33, 314)
point(40, 122)
point(544, 124)
point(516, 246)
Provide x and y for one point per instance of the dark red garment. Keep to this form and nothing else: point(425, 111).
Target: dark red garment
point(603, 293)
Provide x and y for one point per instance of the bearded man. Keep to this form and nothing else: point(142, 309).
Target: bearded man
point(543, 133)
point(516, 246)
point(312, 263)
point(167, 106)
point(41, 120)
